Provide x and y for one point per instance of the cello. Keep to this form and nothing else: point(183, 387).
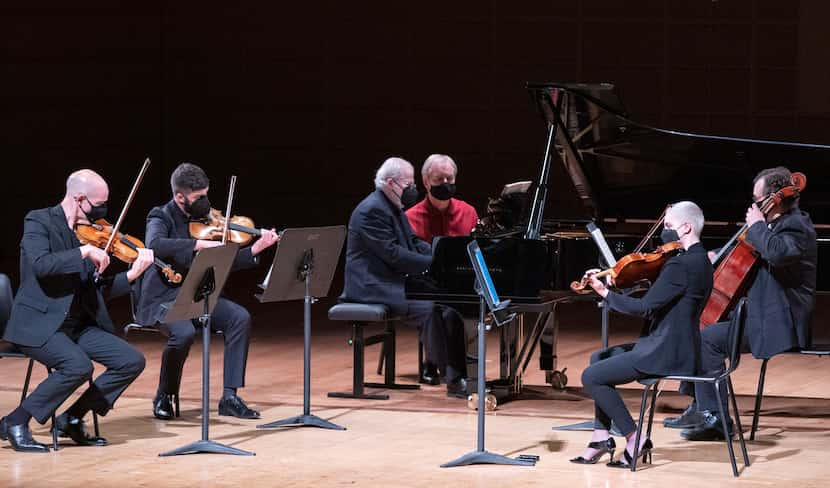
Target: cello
point(737, 259)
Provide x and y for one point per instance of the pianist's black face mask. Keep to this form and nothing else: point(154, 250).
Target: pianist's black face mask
point(199, 209)
point(443, 192)
point(409, 194)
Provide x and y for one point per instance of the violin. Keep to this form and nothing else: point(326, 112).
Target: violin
point(632, 268)
point(736, 261)
point(212, 228)
point(123, 247)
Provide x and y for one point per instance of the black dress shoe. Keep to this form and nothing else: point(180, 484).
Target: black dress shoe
point(163, 407)
point(73, 428)
point(710, 430)
point(235, 407)
point(20, 437)
point(689, 419)
point(429, 375)
point(457, 388)
point(608, 445)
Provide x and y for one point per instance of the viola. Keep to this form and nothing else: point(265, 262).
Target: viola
point(632, 268)
point(737, 260)
point(124, 247)
point(240, 229)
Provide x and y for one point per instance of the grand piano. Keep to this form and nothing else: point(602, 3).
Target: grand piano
point(623, 172)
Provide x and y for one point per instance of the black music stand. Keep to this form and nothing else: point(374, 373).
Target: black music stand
point(301, 253)
point(488, 298)
point(205, 279)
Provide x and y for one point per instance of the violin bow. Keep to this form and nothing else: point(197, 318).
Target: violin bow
point(653, 229)
point(127, 204)
point(228, 210)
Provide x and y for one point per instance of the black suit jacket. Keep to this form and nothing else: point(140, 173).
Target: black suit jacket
point(673, 304)
point(168, 236)
point(781, 297)
point(51, 272)
point(381, 250)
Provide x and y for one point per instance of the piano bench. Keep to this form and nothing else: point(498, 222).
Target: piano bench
point(360, 315)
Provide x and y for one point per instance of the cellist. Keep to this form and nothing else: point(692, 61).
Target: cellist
point(779, 300)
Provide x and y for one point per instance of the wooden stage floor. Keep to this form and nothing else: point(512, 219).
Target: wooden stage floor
point(402, 441)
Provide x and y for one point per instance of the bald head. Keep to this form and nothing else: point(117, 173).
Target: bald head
point(88, 183)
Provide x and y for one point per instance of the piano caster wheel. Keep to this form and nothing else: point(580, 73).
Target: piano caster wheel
point(490, 402)
point(557, 379)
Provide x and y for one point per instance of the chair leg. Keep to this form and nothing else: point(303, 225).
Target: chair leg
point(758, 397)
point(176, 403)
point(27, 381)
point(639, 429)
point(725, 426)
point(357, 369)
point(382, 356)
point(389, 353)
point(738, 425)
point(54, 422)
point(651, 410)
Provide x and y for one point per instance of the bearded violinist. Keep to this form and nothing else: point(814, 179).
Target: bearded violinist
point(168, 234)
point(59, 317)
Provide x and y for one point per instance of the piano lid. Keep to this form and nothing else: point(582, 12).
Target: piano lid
point(625, 169)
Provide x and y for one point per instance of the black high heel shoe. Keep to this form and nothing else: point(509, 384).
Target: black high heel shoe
point(626, 464)
point(608, 445)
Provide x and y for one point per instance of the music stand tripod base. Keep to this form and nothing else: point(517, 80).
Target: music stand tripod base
point(301, 254)
point(486, 457)
point(300, 420)
point(206, 278)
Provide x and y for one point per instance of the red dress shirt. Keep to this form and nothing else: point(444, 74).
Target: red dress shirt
point(427, 221)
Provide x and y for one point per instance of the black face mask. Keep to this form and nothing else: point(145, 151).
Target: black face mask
point(669, 235)
point(199, 209)
point(96, 212)
point(409, 196)
point(443, 192)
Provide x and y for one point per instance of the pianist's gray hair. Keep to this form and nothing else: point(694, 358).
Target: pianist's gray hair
point(688, 212)
point(437, 158)
point(391, 168)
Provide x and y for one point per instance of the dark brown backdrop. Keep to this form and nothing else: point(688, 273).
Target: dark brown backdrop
point(302, 100)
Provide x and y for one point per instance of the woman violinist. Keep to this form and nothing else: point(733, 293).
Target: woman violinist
point(169, 234)
point(673, 305)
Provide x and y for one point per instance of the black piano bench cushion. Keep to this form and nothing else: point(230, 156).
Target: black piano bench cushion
point(359, 312)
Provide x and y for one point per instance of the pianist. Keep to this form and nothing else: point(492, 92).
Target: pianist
point(672, 345)
point(381, 250)
point(440, 214)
